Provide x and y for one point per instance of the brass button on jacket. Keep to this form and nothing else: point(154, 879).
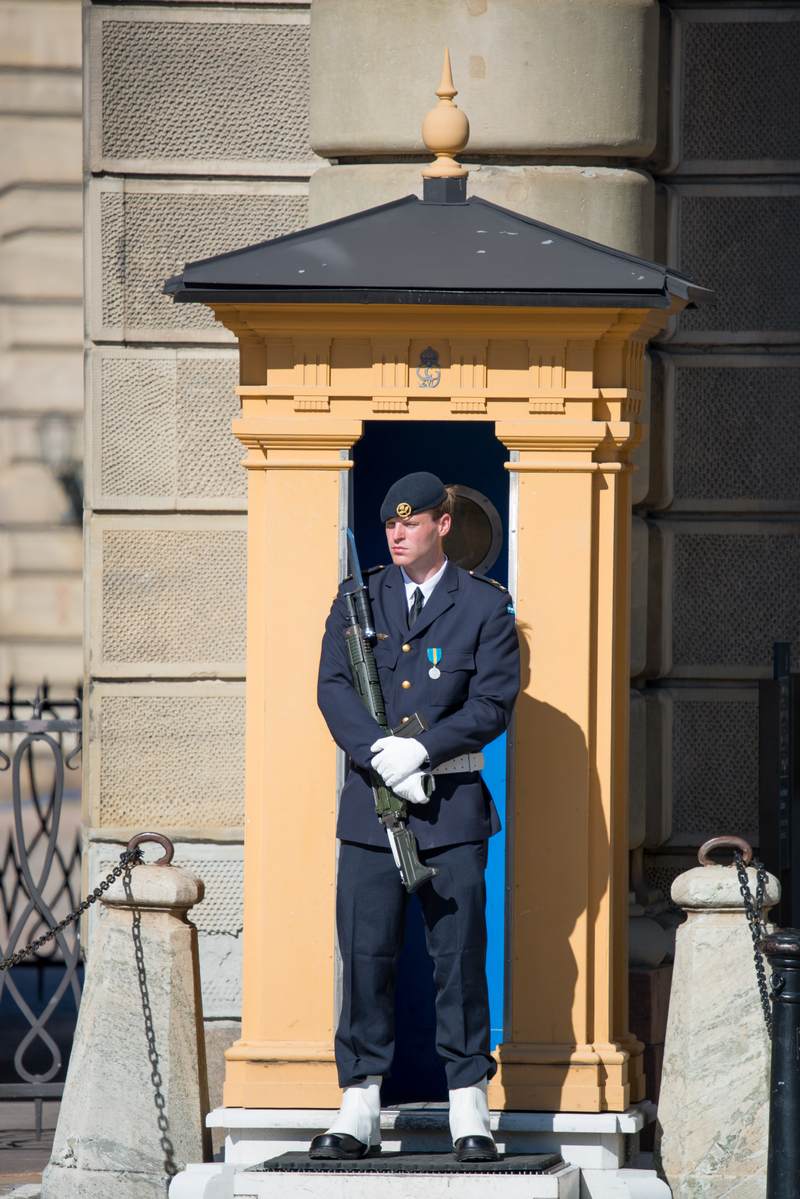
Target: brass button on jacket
point(406, 649)
point(405, 684)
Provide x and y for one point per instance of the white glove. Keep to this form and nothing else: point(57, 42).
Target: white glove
point(396, 758)
point(414, 789)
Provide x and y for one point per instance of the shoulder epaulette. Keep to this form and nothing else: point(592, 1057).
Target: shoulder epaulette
point(486, 579)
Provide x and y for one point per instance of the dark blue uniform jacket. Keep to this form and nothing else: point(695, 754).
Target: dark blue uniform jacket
point(472, 623)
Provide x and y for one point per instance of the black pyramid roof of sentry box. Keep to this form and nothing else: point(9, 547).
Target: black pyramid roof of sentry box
point(447, 250)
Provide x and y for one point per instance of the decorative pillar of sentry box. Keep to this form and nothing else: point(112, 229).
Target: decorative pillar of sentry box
point(571, 479)
point(295, 491)
point(448, 308)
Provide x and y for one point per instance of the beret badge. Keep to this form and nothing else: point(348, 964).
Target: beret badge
point(403, 511)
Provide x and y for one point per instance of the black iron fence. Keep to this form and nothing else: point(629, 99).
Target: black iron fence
point(40, 859)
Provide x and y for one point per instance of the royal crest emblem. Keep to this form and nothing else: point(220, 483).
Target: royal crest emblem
point(429, 373)
point(403, 511)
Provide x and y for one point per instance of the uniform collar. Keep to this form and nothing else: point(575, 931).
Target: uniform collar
point(427, 587)
point(441, 599)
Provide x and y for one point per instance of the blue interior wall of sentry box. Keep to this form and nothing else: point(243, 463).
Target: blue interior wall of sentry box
point(467, 453)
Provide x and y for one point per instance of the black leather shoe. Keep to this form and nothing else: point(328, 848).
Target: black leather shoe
point(476, 1149)
point(338, 1146)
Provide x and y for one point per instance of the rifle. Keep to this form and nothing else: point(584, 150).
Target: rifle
point(360, 638)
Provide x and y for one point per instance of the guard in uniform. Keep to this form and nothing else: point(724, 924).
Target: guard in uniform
point(447, 649)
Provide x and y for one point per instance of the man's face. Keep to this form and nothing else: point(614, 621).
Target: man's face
point(417, 540)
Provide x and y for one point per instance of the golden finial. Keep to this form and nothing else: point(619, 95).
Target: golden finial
point(445, 130)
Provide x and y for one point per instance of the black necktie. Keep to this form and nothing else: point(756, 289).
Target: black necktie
point(417, 601)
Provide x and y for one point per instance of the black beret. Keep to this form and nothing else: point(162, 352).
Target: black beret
point(412, 493)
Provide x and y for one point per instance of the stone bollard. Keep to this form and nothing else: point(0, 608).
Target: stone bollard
point(714, 1102)
point(134, 1100)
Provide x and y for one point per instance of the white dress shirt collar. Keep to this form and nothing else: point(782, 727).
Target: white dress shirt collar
point(426, 587)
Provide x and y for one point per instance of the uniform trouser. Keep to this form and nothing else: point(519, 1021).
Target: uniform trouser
point(370, 910)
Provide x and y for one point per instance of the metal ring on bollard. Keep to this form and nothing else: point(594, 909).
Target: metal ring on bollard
point(160, 839)
point(709, 846)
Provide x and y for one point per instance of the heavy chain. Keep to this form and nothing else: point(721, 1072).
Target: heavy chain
point(128, 858)
point(159, 1098)
point(753, 909)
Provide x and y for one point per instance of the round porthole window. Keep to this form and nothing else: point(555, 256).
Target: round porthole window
point(476, 537)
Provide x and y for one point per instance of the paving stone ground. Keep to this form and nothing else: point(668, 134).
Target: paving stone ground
point(22, 1155)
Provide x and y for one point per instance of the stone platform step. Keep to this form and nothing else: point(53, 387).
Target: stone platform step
point(592, 1140)
point(212, 1182)
point(225, 1181)
point(595, 1146)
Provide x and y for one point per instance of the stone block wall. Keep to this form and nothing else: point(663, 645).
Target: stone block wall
point(723, 503)
point(196, 142)
point(40, 339)
point(569, 78)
